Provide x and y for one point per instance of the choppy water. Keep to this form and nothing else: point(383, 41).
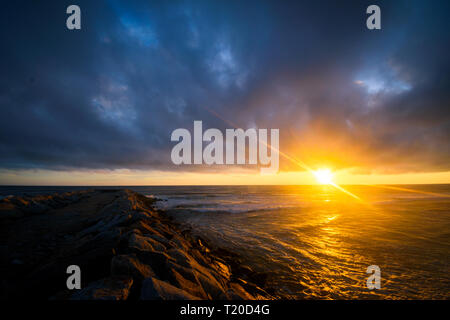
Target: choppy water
point(316, 242)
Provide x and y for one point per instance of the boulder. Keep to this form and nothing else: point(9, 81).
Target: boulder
point(114, 288)
point(191, 286)
point(115, 236)
point(236, 292)
point(158, 262)
point(210, 285)
point(143, 227)
point(180, 257)
point(186, 273)
point(144, 243)
point(131, 266)
point(154, 289)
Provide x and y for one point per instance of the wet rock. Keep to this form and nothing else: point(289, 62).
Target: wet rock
point(245, 270)
point(154, 289)
point(210, 285)
point(106, 224)
point(236, 292)
point(191, 286)
point(223, 269)
point(115, 236)
point(157, 261)
point(253, 289)
point(180, 257)
point(186, 273)
point(144, 243)
point(259, 278)
point(114, 288)
point(143, 227)
point(181, 243)
point(141, 215)
point(131, 266)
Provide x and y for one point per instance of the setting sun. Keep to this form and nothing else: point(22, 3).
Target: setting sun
point(324, 176)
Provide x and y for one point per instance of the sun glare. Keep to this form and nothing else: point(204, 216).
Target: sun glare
point(324, 176)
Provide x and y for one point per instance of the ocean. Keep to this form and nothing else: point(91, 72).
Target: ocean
point(316, 242)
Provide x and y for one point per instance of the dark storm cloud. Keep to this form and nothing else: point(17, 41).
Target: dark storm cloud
point(109, 95)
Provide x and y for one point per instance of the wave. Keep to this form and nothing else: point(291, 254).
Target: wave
point(219, 209)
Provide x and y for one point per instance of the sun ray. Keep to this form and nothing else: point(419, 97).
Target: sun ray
point(345, 191)
point(441, 195)
point(288, 157)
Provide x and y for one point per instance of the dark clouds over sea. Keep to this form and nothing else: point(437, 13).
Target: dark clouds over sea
point(110, 94)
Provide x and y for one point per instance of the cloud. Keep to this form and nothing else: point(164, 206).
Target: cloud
point(109, 96)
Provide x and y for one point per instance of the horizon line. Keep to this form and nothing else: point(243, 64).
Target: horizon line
point(220, 185)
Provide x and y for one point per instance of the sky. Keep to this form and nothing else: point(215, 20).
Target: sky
point(97, 106)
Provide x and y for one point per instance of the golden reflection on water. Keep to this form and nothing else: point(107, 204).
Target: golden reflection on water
point(317, 242)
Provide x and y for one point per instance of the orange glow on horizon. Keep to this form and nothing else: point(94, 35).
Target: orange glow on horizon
point(127, 177)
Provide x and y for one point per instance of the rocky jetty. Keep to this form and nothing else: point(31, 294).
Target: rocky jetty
point(126, 250)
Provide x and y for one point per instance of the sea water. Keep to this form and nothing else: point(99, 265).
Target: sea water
point(316, 242)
